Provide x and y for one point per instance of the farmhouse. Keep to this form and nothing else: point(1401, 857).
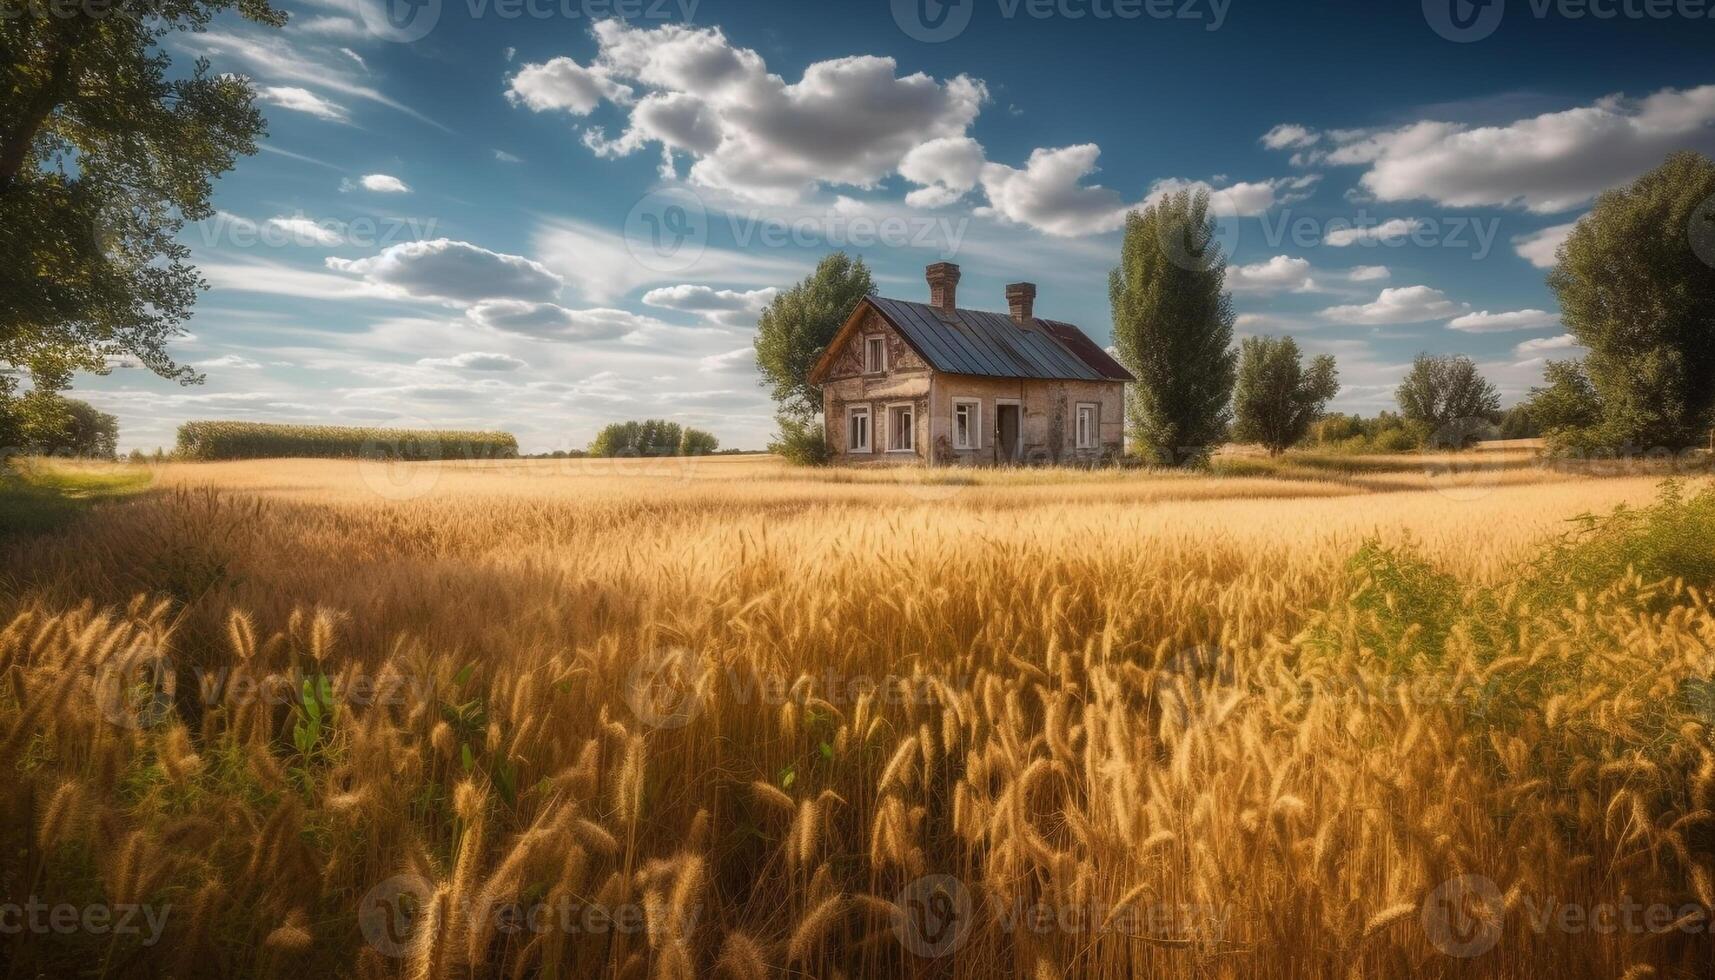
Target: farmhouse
point(930, 382)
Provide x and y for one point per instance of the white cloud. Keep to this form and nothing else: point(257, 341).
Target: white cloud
point(548, 321)
point(1368, 273)
point(301, 100)
point(1542, 345)
point(505, 157)
point(304, 231)
point(1538, 247)
point(1486, 322)
point(278, 279)
point(475, 361)
point(704, 299)
point(598, 263)
point(1243, 199)
point(229, 361)
point(739, 361)
point(847, 121)
point(455, 271)
point(946, 169)
point(1281, 273)
point(1546, 163)
point(1049, 193)
point(379, 183)
point(1402, 304)
point(1290, 136)
point(1388, 231)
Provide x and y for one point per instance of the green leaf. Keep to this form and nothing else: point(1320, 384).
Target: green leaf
point(464, 754)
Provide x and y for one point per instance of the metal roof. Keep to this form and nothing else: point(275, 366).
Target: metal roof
point(994, 345)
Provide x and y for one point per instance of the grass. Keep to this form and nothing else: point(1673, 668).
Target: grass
point(1302, 723)
point(38, 496)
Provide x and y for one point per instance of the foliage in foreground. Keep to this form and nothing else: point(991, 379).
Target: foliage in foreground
point(263, 440)
point(1199, 760)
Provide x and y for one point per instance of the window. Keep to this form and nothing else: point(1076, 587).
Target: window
point(857, 429)
point(1088, 414)
point(901, 432)
point(874, 355)
point(967, 423)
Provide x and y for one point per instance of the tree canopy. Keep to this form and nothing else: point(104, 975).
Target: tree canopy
point(105, 153)
point(1447, 399)
point(652, 437)
point(1636, 284)
point(1276, 398)
point(1173, 328)
point(797, 327)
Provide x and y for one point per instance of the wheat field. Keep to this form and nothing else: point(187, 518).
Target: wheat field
point(722, 717)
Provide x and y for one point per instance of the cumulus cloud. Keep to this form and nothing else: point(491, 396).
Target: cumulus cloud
point(689, 90)
point(549, 321)
point(1290, 136)
point(302, 100)
point(1388, 231)
point(1368, 273)
point(1546, 163)
point(1539, 247)
point(475, 361)
point(729, 307)
point(379, 183)
point(453, 271)
point(1486, 322)
point(1049, 193)
point(1542, 345)
point(1279, 274)
point(945, 169)
point(1402, 304)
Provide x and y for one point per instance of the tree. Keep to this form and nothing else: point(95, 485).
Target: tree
point(1173, 327)
point(1568, 409)
point(1276, 400)
point(797, 327)
point(803, 443)
point(44, 423)
point(652, 437)
point(1447, 399)
point(104, 155)
point(1519, 422)
point(1636, 284)
point(696, 442)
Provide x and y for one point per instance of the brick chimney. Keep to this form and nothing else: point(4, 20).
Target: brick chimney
point(943, 286)
point(1021, 300)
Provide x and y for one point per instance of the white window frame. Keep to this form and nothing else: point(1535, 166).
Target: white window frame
point(887, 414)
point(869, 428)
point(1095, 432)
point(975, 429)
point(880, 365)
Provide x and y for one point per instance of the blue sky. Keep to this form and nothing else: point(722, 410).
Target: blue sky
point(541, 217)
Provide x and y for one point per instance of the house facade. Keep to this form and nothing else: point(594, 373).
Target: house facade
point(906, 382)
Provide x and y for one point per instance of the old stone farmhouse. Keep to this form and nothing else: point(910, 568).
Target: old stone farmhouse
point(933, 383)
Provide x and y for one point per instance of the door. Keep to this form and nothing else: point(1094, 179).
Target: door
point(1006, 432)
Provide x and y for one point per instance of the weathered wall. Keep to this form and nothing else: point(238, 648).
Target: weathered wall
point(1049, 418)
point(906, 380)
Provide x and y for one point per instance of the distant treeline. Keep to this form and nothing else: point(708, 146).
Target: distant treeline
point(652, 437)
point(262, 440)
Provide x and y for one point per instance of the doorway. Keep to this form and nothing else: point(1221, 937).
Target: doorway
point(1006, 432)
